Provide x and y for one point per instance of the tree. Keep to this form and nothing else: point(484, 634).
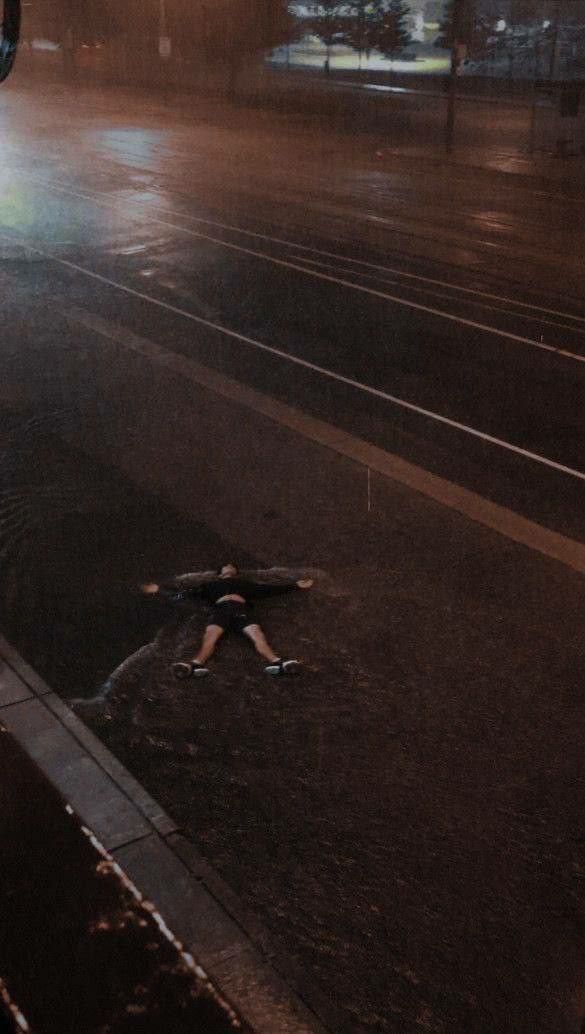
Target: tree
point(445, 36)
point(88, 21)
point(230, 32)
point(357, 33)
point(72, 23)
point(329, 24)
point(464, 31)
point(390, 34)
point(95, 21)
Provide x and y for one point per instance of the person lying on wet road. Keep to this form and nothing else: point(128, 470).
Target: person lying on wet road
point(230, 599)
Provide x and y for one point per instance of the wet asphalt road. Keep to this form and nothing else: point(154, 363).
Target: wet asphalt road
point(457, 296)
point(434, 758)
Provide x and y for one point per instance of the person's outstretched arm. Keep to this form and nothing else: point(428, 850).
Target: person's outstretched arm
point(180, 587)
point(259, 591)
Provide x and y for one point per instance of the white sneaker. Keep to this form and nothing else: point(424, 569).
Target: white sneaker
point(185, 669)
point(283, 668)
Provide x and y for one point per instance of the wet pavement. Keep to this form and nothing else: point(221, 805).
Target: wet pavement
point(464, 285)
point(406, 819)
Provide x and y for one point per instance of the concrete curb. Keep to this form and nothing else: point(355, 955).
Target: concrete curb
point(262, 984)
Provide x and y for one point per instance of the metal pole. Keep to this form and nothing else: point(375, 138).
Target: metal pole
point(553, 52)
point(68, 41)
point(532, 135)
point(163, 58)
point(452, 87)
point(68, 52)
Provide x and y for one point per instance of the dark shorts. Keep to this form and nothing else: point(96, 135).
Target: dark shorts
point(231, 616)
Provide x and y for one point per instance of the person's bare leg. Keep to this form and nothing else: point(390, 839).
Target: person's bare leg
point(256, 635)
point(276, 665)
point(184, 669)
point(211, 637)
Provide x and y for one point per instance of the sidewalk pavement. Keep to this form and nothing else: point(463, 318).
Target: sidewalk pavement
point(87, 860)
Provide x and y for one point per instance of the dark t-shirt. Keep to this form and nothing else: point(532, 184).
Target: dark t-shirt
point(214, 589)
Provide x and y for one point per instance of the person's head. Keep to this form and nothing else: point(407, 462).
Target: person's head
point(228, 571)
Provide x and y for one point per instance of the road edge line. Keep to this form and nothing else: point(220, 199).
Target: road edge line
point(508, 523)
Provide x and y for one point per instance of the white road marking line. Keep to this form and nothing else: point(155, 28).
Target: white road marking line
point(93, 195)
point(372, 292)
point(491, 515)
point(331, 374)
point(461, 301)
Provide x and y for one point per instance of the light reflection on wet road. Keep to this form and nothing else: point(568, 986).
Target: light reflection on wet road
point(465, 355)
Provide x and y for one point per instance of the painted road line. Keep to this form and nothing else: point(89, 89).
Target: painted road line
point(514, 314)
point(339, 281)
point(506, 522)
point(316, 251)
point(322, 370)
point(95, 194)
